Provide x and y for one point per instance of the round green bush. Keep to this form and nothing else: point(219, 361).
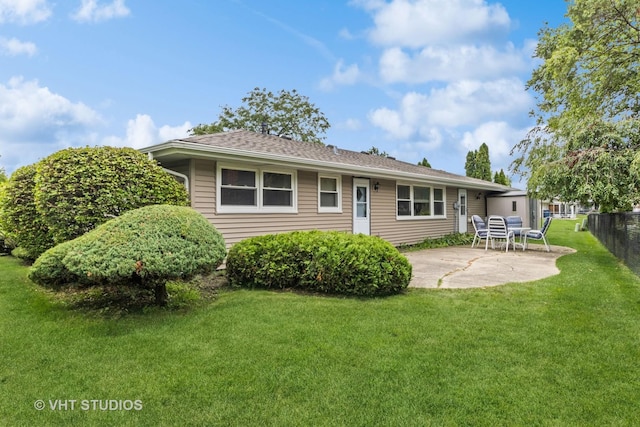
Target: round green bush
point(19, 218)
point(145, 246)
point(317, 261)
point(75, 190)
point(78, 189)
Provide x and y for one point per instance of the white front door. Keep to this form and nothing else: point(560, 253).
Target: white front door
point(462, 210)
point(361, 220)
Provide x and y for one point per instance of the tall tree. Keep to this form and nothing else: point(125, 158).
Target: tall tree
point(586, 142)
point(478, 164)
point(286, 113)
point(424, 162)
point(483, 163)
point(470, 164)
point(501, 178)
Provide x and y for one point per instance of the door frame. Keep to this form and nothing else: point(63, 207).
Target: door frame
point(361, 225)
point(463, 209)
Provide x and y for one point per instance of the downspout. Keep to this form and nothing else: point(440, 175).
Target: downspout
point(174, 173)
point(179, 175)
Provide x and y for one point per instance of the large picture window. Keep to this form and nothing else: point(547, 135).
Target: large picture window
point(415, 201)
point(255, 190)
point(329, 194)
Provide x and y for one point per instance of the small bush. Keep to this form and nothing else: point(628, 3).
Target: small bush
point(146, 247)
point(328, 262)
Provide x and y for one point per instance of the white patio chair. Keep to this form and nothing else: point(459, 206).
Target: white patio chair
point(539, 234)
point(481, 230)
point(497, 230)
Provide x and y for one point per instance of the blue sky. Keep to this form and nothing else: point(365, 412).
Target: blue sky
point(414, 78)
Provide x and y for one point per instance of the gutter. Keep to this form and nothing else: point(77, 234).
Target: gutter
point(174, 173)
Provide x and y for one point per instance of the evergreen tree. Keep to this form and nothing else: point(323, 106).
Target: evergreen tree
point(424, 162)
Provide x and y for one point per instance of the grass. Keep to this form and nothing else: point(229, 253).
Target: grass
point(559, 351)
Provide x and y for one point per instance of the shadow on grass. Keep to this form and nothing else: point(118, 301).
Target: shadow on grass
point(125, 299)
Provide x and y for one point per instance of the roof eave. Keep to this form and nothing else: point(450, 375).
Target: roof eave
point(186, 147)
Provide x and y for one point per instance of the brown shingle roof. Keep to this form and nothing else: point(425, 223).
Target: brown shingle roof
point(258, 145)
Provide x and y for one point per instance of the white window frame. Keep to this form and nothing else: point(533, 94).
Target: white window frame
point(259, 186)
point(432, 202)
point(330, 209)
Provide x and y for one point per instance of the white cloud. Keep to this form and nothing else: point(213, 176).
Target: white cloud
point(499, 136)
point(451, 63)
point(92, 11)
point(423, 22)
point(14, 47)
point(142, 132)
point(463, 103)
point(341, 76)
point(36, 122)
point(24, 11)
point(27, 108)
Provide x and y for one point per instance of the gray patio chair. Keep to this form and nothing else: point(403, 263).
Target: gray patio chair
point(540, 234)
point(481, 230)
point(497, 230)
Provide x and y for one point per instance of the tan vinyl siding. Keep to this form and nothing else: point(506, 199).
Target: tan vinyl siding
point(475, 206)
point(203, 187)
point(238, 226)
point(406, 231)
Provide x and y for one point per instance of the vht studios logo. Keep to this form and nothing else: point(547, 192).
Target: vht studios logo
point(88, 405)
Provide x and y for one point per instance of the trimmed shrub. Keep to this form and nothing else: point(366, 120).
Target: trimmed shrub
point(20, 220)
point(328, 262)
point(78, 189)
point(145, 247)
point(49, 271)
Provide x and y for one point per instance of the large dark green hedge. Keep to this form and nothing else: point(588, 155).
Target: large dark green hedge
point(19, 218)
point(329, 262)
point(145, 246)
point(78, 189)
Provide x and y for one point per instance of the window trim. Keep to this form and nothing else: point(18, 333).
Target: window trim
point(259, 186)
point(330, 209)
point(412, 200)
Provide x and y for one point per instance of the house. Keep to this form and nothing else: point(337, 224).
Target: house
point(249, 184)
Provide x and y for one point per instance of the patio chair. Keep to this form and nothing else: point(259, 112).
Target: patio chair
point(514, 222)
point(481, 230)
point(497, 230)
point(540, 234)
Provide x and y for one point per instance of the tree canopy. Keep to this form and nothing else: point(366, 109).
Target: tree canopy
point(585, 143)
point(376, 152)
point(478, 164)
point(424, 162)
point(501, 178)
point(286, 113)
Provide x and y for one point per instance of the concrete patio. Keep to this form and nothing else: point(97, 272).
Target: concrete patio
point(466, 267)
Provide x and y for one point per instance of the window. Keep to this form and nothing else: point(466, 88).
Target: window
point(438, 202)
point(276, 189)
point(254, 190)
point(514, 206)
point(329, 194)
point(415, 201)
point(238, 188)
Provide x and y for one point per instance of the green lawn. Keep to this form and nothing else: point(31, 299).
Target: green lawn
point(559, 351)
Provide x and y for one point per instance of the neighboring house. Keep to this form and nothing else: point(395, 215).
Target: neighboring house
point(249, 184)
